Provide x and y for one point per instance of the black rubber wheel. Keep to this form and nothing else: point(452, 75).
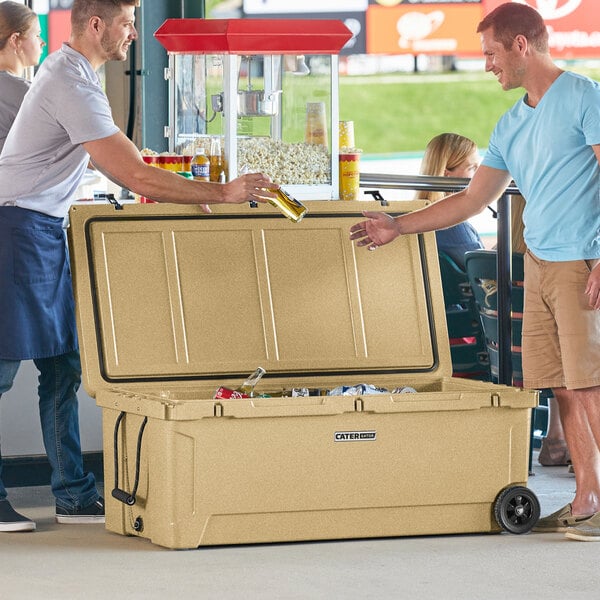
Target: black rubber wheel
point(517, 509)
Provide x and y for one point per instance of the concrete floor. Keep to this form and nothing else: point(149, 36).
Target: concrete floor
point(65, 562)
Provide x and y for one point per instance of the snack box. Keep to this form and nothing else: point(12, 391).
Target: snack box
point(173, 303)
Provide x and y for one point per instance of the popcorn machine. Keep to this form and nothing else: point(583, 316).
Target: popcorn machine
point(268, 88)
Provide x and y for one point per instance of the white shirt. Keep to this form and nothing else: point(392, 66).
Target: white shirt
point(43, 159)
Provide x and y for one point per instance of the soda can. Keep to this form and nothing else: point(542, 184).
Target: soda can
point(224, 393)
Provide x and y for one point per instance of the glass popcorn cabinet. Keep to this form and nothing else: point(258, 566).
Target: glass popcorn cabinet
point(266, 89)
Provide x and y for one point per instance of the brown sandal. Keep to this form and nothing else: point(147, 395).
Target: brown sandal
point(554, 453)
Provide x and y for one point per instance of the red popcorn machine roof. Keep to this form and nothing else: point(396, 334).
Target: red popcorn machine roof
point(253, 36)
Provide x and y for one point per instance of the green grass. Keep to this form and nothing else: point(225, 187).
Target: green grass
point(401, 113)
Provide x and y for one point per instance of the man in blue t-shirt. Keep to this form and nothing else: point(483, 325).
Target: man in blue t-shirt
point(549, 143)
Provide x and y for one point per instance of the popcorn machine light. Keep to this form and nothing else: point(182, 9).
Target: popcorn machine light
point(267, 87)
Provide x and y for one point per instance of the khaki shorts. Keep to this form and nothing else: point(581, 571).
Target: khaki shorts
point(561, 333)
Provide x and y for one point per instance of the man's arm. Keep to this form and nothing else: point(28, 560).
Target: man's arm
point(118, 158)
point(486, 186)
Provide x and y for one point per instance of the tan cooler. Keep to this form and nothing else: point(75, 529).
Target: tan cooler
point(173, 303)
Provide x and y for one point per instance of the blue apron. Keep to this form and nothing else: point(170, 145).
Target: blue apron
point(37, 309)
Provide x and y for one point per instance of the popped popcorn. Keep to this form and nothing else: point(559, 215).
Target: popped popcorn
point(284, 162)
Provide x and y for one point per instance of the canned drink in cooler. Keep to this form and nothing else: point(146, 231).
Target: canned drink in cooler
point(224, 393)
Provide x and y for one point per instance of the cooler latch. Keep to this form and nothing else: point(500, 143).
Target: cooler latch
point(377, 196)
point(495, 400)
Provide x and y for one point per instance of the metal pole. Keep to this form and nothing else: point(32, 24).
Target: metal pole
point(193, 9)
point(504, 252)
point(504, 290)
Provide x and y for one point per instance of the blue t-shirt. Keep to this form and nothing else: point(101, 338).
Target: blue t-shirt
point(547, 150)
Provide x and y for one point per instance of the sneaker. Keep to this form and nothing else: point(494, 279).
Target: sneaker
point(588, 531)
point(92, 513)
point(11, 520)
point(559, 521)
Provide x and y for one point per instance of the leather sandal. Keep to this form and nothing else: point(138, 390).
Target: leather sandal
point(554, 453)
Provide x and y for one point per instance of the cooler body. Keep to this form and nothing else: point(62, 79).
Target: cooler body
point(173, 303)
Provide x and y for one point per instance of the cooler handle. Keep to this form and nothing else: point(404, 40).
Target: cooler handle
point(118, 493)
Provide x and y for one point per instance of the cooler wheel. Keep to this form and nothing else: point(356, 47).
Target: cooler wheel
point(517, 509)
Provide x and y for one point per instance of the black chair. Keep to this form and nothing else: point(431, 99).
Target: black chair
point(482, 276)
point(467, 340)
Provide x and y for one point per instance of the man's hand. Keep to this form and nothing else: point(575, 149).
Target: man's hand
point(247, 188)
point(592, 289)
point(379, 229)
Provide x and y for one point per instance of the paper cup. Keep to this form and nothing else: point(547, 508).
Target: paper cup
point(316, 124)
point(349, 175)
point(347, 134)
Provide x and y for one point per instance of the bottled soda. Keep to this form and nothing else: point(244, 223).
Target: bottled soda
point(216, 160)
point(246, 390)
point(293, 209)
point(248, 386)
point(200, 166)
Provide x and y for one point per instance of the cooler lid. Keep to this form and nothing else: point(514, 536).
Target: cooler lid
point(166, 293)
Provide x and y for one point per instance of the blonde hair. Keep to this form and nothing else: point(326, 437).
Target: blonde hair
point(444, 151)
point(14, 18)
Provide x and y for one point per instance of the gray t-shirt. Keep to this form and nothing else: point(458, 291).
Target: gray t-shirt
point(43, 159)
point(12, 90)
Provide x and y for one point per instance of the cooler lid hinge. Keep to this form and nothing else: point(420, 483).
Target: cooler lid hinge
point(110, 197)
point(377, 196)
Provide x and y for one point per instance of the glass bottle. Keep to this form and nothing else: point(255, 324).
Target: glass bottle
point(293, 209)
point(248, 386)
point(216, 160)
point(200, 166)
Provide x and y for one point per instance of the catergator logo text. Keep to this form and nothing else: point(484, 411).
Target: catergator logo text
point(354, 436)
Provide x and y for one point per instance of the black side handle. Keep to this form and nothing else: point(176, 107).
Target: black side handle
point(118, 493)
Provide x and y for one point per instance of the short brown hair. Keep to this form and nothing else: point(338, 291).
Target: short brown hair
point(14, 18)
point(512, 19)
point(83, 10)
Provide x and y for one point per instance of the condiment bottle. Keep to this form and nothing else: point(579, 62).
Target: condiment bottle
point(200, 166)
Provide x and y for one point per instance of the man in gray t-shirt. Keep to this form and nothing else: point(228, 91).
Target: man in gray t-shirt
point(64, 121)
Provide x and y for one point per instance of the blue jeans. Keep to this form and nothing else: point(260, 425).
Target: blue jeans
point(59, 381)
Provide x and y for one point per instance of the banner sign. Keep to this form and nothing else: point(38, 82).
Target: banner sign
point(397, 2)
point(263, 7)
point(448, 28)
point(430, 27)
